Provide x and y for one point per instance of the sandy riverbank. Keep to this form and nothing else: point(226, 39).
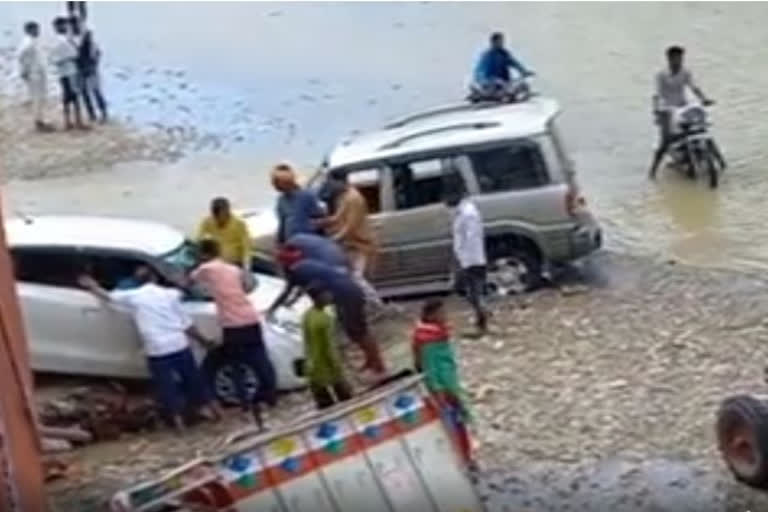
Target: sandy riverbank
point(605, 397)
point(28, 155)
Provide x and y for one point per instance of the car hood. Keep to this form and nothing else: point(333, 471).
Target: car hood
point(262, 225)
point(266, 292)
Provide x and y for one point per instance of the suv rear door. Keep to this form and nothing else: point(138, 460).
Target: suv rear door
point(519, 187)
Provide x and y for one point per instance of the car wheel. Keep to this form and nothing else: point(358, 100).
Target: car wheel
point(264, 266)
point(742, 435)
point(219, 371)
point(517, 271)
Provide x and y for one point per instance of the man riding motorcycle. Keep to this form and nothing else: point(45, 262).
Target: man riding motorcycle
point(491, 76)
point(671, 84)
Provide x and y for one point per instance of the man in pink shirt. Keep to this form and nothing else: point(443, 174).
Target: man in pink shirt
point(242, 338)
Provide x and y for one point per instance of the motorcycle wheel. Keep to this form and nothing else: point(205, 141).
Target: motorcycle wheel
point(694, 163)
point(712, 170)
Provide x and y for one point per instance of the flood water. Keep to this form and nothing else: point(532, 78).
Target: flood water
point(274, 81)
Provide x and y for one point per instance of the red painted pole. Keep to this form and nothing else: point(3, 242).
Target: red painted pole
point(21, 472)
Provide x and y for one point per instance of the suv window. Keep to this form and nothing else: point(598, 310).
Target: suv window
point(418, 183)
point(514, 167)
point(368, 183)
point(52, 267)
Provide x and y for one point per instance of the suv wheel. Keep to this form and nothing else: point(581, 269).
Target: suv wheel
point(516, 271)
point(742, 434)
point(219, 372)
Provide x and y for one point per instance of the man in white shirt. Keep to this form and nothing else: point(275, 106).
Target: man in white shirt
point(670, 94)
point(165, 329)
point(64, 58)
point(469, 251)
point(32, 72)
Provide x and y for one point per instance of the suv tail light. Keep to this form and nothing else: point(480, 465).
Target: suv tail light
point(574, 202)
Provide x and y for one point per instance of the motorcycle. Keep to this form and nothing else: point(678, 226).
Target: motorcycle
point(514, 91)
point(693, 148)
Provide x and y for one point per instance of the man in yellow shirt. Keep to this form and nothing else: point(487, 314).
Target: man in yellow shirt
point(229, 231)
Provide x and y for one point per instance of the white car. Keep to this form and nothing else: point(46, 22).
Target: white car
point(71, 332)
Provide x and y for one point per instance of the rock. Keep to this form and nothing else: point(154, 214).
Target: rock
point(571, 290)
point(74, 434)
point(484, 392)
point(55, 445)
point(619, 383)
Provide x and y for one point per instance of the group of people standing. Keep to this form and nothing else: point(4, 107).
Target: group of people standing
point(75, 57)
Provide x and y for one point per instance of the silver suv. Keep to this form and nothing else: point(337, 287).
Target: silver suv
point(511, 160)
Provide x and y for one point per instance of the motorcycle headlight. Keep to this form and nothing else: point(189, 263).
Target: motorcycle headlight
point(694, 116)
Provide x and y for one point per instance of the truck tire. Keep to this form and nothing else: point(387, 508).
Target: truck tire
point(742, 436)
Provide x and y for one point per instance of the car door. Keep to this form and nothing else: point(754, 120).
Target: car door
point(118, 340)
point(418, 228)
point(63, 323)
point(371, 183)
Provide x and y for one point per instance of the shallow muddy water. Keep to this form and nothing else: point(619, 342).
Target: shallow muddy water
point(260, 82)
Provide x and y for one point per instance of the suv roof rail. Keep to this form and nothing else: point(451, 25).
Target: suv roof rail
point(436, 111)
point(462, 126)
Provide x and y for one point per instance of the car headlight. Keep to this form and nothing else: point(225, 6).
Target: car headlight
point(290, 326)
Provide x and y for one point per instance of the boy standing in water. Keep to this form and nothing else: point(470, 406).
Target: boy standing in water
point(322, 364)
point(435, 358)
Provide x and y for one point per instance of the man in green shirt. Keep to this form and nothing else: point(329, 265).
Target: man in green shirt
point(322, 365)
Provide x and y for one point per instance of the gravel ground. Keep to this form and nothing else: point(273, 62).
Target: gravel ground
point(586, 398)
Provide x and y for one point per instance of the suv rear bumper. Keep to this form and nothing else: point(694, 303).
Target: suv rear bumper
point(585, 239)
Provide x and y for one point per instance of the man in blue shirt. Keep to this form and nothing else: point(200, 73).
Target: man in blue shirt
point(296, 207)
point(493, 67)
point(317, 247)
point(300, 270)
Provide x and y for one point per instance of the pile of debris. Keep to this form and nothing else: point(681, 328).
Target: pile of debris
point(93, 413)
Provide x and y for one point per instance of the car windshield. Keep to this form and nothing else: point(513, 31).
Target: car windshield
point(179, 262)
point(183, 258)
